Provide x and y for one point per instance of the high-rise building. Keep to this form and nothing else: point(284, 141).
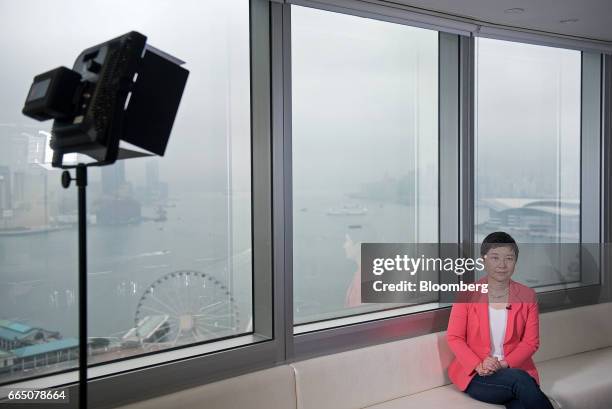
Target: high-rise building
point(152, 174)
point(5, 189)
point(112, 178)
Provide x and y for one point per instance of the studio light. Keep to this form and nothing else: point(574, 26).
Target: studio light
point(122, 89)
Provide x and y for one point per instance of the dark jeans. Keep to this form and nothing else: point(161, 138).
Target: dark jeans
point(512, 387)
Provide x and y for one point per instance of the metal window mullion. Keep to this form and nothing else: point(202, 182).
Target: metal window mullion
point(606, 175)
point(590, 153)
point(590, 137)
point(467, 146)
point(281, 170)
point(448, 146)
point(606, 148)
point(261, 173)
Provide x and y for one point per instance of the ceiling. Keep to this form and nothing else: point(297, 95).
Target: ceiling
point(594, 17)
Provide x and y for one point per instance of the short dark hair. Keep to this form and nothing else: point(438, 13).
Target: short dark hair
point(498, 239)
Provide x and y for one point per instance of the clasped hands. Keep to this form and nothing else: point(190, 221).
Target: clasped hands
point(490, 365)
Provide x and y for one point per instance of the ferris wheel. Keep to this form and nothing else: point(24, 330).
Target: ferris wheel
point(185, 307)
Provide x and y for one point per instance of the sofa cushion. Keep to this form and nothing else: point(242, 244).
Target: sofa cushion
point(580, 381)
point(270, 388)
point(443, 397)
point(574, 330)
point(366, 376)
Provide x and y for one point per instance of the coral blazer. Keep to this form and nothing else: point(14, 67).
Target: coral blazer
point(469, 334)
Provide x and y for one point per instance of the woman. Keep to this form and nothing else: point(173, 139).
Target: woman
point(353, 239)
point(494, 335)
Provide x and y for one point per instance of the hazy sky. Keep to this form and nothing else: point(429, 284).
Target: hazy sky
point(364, 99)
point(528, 120)
point(211, 36)
point(364, 93)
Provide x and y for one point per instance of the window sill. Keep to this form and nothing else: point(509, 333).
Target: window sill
point(138, 362)
point(366, 317)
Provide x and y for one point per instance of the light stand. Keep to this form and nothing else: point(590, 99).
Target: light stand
point(81, 182)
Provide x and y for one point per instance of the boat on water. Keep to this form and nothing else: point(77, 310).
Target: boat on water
point(24, 231)
point(347, 210)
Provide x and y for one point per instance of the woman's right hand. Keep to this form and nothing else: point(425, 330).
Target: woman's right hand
point(491, 364)
point(488, 366)
point(480, 370)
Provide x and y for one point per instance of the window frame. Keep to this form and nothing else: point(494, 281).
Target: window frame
point(270, 24)
point(267, 300)
point(570, 295)
point(336, 334)
point(456, 219)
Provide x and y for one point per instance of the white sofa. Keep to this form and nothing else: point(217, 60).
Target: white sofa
point(574, 361)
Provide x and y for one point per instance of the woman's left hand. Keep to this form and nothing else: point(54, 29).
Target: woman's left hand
point(492, 364)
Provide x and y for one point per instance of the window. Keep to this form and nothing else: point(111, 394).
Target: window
point(187, 253)
point(365, 151)
point(528, 149)
point(169, 239)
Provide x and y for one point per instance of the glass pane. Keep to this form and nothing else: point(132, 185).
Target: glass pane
point(528, 148)
point(169, 238)
point(365, 151)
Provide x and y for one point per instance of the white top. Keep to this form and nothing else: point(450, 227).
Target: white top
point(497, 322)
